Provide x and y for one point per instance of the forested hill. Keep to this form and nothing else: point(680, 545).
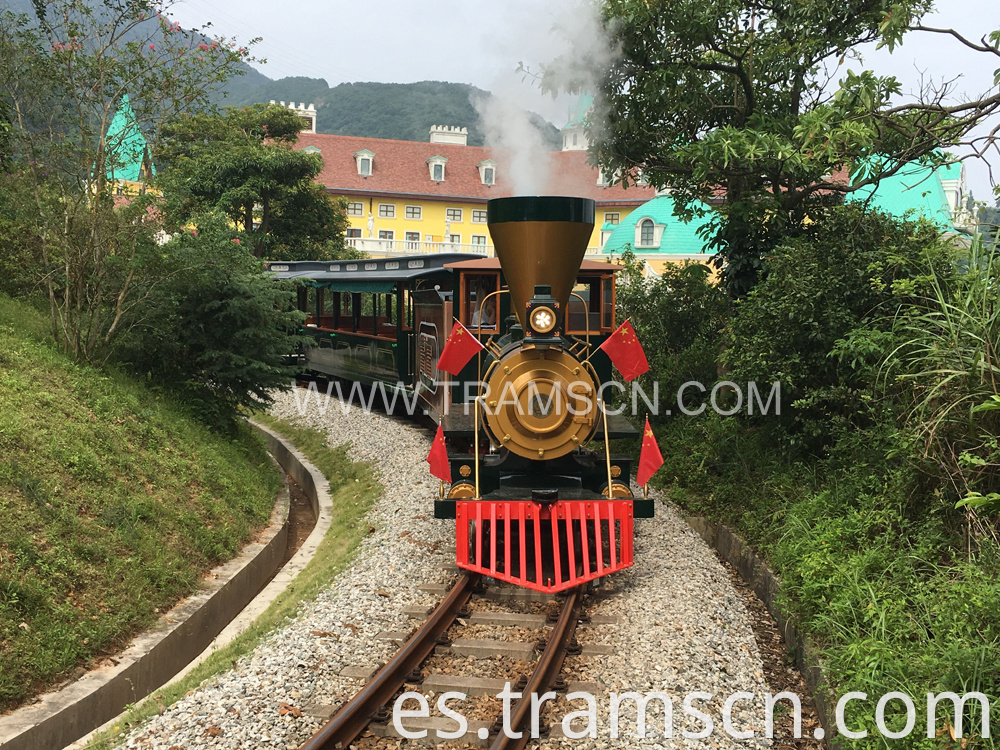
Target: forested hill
point(404, 111)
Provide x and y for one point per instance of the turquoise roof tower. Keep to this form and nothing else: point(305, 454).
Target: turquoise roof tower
point(128, 154)
point(579, 116)
point(676, 237)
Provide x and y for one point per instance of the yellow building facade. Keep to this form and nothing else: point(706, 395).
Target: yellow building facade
point(407, 197)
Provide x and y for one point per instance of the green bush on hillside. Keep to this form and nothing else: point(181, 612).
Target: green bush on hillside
point(217, 326)
point(678, 317)
point(850, 273)
point(883, 337)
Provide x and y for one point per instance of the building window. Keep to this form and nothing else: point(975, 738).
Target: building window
point(574, 139)
point(355, 209)
point(605, 179)
point(646, 233)
point(414, 212)
point(487, 171)
point(436, 165)
point(365, 160)
point(478, 216)
point(479, 239)
point(412, 240)
point(386, 234)
point(612, 218)
point(387, 210)
point(453, 214)
point(455, 239)
point(353, 233)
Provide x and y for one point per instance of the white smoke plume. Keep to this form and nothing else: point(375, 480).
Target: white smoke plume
point(565, 52)
point(507, 129)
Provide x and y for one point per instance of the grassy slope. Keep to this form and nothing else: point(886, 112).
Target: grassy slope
point(353, 489)
point(113, 504)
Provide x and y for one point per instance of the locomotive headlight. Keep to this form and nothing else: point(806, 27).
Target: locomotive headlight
point(543, 319)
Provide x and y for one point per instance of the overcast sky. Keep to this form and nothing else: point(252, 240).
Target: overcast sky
point(481, 42)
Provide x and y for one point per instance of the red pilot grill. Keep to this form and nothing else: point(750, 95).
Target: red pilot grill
point(544, 547)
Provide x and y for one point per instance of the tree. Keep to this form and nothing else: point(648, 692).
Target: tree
point(63, 78)
point(216, 329)
point(736, 97)
point(242, 163)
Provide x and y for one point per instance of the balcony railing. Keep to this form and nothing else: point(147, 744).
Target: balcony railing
point(385, 248)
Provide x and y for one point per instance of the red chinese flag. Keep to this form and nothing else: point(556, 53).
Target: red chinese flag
point(625, 352)
point(650, 458)
point(438, 457)
point(460, 347)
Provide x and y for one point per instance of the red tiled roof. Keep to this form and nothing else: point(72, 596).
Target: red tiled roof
point(400, 167)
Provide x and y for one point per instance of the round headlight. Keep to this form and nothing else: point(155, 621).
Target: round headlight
point(543, 319)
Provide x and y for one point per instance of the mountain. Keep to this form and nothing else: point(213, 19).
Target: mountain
point(403, 111)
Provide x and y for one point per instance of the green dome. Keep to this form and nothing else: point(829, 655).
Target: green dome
point(677, 238)
point(915, 190)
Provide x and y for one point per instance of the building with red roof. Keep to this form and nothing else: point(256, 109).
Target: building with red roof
point(414, 197)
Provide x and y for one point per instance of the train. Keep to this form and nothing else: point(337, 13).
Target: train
point(538, 498)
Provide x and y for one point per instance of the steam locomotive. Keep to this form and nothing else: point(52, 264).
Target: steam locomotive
point(537, 496)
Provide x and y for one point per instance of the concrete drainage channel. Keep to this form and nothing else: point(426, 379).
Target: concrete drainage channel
point(188, 633)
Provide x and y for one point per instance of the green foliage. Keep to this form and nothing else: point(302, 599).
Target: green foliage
point(65, 73)
point(242, 163)
point(735, 96)
point(821, 319)
point(947, 372)
point(678, 317)
point(872, 565)
point(114, 505)
point(216, 328)
point(20, 253)
point(883, 336)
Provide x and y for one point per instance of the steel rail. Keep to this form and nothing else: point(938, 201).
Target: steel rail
point(546, 670)
point(350, 722)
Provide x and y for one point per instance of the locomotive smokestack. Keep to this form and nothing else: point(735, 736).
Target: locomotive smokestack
point(540, 240)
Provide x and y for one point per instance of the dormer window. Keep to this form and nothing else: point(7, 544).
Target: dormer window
point(648, 233)
point(365, 160)
point(436, 165)
point(311, 150)
point(487, 171)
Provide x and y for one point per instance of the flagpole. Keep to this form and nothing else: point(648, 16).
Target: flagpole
point(475, 427)
point(441, 487)
point(607, 447)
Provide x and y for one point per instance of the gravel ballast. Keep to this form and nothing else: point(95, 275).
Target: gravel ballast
point(681, 627)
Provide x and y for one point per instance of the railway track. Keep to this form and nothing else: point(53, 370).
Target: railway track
point(371, 703)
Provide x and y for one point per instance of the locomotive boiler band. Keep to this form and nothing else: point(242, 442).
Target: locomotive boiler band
point(537, 496)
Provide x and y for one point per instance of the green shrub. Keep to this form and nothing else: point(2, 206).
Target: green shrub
point(678, 317)
point(216, 328)
point(850, 272)
point(945, 371)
